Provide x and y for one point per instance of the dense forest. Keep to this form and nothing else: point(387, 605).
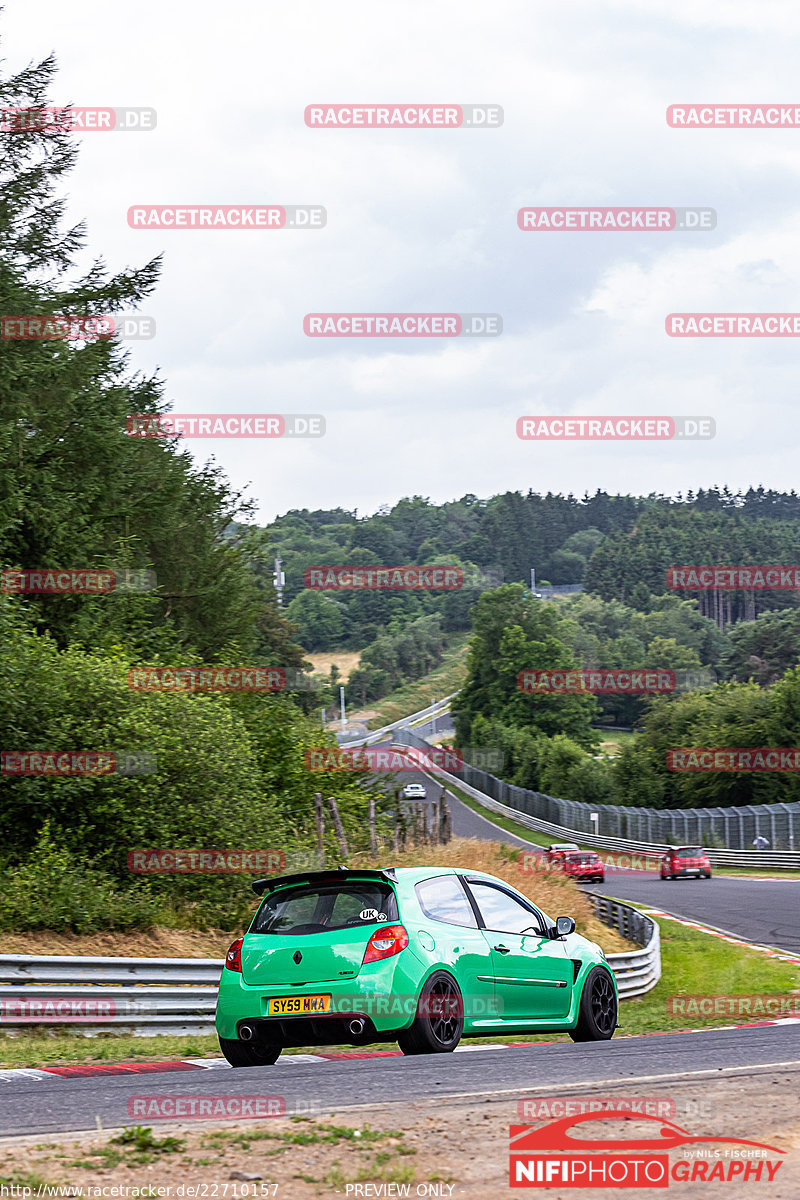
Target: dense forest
point(228, 768)
point(549, 742)
point(77, 492)
point(619, 548)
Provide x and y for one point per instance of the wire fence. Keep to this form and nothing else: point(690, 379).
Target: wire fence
point(732, 828)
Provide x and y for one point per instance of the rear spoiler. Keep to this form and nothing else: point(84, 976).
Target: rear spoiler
point(333, 874)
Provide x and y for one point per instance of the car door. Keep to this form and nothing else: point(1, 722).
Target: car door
point(451, 936)
point(532, 973)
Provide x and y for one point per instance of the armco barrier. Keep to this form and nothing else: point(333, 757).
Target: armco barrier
point(685, 826)
point(377, 735)
point(637, 971)
point(179, 995)
point(156, 996)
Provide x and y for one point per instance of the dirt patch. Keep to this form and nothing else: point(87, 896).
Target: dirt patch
point(438, 1148)
point(345, 660)
point(611, 749)
point(157, 942)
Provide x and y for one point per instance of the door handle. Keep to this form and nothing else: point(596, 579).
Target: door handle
point(502, 949)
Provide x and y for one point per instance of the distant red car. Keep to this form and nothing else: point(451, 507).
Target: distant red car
point(684, 861)
point(557, 850)
point(583, 865)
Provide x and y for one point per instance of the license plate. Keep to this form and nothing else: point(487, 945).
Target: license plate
point(298, 1006)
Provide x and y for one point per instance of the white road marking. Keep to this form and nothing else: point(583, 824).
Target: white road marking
point(13, 1073)
point(564, 1088)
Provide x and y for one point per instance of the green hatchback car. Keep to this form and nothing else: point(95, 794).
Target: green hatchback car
point(422, 956)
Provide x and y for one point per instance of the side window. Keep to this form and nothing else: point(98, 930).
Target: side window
point(501, 912)
point(443, 899)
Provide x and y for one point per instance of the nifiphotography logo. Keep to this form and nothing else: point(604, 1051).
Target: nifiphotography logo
point(552, 1155)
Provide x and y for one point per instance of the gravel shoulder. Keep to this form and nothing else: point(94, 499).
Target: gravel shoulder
point(450, 1147)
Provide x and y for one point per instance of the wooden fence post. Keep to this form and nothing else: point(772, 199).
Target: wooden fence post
point(447, 820)
point(373, 833)
point(339, 828)
point(319, 816)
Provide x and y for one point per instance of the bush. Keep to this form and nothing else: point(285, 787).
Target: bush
point(52, 889)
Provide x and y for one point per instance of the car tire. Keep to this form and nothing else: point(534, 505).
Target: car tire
point(598, 1009)
point(249, 1054)
point(707, 875)
point(431, 1033)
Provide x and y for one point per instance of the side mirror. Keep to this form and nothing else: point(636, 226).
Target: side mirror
point(564, 925)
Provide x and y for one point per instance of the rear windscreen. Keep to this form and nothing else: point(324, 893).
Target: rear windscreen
point(689, 852)
point(316, 908)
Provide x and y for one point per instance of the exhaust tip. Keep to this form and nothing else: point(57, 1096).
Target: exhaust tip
point(356, 1026)
point(246, 1033)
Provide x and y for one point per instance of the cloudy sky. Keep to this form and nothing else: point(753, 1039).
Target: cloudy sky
point(425, 221)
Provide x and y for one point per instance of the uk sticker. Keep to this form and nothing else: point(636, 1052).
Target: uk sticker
point(372, 914)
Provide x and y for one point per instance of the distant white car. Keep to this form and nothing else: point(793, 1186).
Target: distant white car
point(414, 791)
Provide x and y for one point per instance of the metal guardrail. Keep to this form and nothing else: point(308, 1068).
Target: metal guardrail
point(636, 971)
point(179, 995)
point(59, 969)
point(152, 996)
point(773, 859)
point(377, 734)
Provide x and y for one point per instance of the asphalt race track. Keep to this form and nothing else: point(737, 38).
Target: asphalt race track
point(51, 1104)
point(759, 910)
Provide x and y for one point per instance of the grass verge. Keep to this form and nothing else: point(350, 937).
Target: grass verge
point(447, 678)
point(693, 964)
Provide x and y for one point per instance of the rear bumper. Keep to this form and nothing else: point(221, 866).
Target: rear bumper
point(384, 994)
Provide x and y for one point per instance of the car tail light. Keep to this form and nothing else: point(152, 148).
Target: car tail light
point(233, 959)
point(385, 942)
